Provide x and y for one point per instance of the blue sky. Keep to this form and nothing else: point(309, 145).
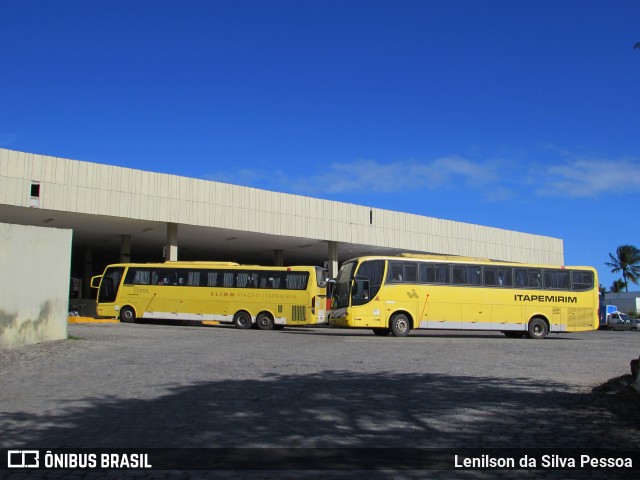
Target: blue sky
point(515, 114)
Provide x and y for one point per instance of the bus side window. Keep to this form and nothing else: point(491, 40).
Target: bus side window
point(427, 273)
point(226, 279)
point(183, 276)
point(164, 277)
point(497, 277)
point(467, 275)
point(212, 279)
point(443, 273)
point(558, 279)
point(411, 272)
point(395, 272)
point(521, 278)
point(491, 276)
point(296, 281)
point(458, 275)
point(266, 280)
point(400, 272)
point(138, 276)
point(243, 279)
point(475, 275)
point(195, 278)
point(582, 280)
point(504, 277)
point(535, 278)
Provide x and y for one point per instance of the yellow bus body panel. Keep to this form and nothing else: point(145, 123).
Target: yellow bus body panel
point(219, 304)
point(470, 307)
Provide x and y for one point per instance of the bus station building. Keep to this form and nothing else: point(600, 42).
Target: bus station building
point(119, 214)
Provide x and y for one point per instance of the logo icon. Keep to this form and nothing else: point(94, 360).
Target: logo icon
point(412, 293)
point(23, 458)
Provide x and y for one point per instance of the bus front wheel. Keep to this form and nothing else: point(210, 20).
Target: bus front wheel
point(242, 320)
point(127, 315)
point(400, 325)
point(538, 329)
point(265, 322)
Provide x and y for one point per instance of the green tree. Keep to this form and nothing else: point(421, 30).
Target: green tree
point(627, 261)
point(618, 286)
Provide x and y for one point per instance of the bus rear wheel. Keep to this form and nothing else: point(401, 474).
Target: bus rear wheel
point(264, 321)
point(538, 329)
point(242, 320)
point(127, 315)
point(400, 325)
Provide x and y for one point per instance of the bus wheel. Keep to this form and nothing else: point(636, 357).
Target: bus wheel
point(537, 329)
point(264, 321)
point(400, 325)
point(127, 315)
point(382, 332)
point(242, 320)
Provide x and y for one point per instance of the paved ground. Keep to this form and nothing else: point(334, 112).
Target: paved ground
point(151, 386)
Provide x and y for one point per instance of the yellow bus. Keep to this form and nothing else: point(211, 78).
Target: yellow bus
point(400, 293)
point(245, 296)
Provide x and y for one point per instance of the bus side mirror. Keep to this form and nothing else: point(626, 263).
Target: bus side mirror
point(331, 283)
point(95, 281)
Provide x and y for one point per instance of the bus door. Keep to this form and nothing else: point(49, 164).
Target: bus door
point(369, 311)
point(365, 290)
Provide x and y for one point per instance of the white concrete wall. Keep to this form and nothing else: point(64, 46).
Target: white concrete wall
point(75, 186)
point(625, 301)
point(34, 278)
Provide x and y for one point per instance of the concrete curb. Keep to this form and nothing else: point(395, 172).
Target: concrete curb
point(92, 320)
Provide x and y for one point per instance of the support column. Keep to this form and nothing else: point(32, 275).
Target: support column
point(172, 242)
point(125, 248)
point(332, 263)
point(278, 259)
point(87, 272)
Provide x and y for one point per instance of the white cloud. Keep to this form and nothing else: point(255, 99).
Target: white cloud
point(370, 176)
point(591, 178)
point(375, 177)
point(495, 180)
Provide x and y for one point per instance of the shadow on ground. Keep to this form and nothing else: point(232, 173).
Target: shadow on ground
point(332, 409)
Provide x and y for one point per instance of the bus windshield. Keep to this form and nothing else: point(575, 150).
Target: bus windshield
point(109, 286)
point(321, 277)
point(359, 288)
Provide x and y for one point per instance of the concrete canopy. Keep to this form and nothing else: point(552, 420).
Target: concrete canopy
point(108, 207)
point(104, 233)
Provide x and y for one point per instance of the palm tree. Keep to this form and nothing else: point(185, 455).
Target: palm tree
point(618, 286)
point(627, 261)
